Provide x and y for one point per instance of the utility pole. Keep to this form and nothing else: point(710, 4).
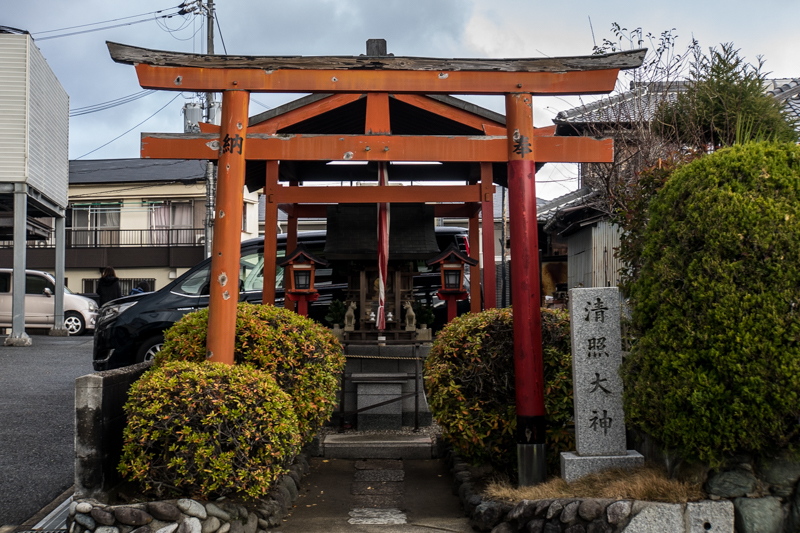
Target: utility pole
point(208, 226)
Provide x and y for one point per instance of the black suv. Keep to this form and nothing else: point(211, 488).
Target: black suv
point(130, 329)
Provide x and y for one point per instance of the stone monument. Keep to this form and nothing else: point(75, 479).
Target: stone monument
point(596, 357)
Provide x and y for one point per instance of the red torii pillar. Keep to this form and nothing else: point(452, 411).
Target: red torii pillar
point(528, 361)
point(226, 252)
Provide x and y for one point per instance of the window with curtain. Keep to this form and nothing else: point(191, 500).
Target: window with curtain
point(96, 224)
point(171, 223)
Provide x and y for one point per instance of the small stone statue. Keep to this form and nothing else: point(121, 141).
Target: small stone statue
point(350, 317)
point(411, 317)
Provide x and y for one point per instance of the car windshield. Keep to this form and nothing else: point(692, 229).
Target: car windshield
point(196, 284)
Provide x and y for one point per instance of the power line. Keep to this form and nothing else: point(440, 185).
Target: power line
point(104, 28)
point(130, 130)
point(110, 104)
point(225, 48)
point(265, 106)
point(106, 21)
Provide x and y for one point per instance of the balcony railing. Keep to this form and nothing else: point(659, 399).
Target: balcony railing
point(104, 238)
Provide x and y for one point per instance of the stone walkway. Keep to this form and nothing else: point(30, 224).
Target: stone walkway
point(388, 496)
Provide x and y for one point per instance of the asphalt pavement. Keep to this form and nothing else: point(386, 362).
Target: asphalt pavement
point(37, 411)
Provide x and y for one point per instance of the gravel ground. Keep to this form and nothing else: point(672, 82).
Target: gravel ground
point(37, 404)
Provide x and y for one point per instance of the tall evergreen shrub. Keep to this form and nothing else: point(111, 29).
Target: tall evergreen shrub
point(716, 369)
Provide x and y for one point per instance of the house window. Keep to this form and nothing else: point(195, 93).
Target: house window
point(171, 223)
point(95, 224)
point(244, 217)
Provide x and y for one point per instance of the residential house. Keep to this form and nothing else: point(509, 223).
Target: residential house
point(143, 217)
point(579, 217)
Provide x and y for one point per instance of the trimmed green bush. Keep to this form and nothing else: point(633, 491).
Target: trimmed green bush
point(304, 357)
point(469, 378)
point(208, 429)
point(716, 368)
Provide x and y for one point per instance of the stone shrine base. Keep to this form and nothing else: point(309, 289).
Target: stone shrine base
point(574, 466)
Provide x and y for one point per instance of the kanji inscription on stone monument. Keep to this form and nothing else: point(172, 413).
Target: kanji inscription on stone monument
point(596, 357)
point(596, 338)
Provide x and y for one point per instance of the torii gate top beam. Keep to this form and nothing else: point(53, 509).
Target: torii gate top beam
point(335, 74)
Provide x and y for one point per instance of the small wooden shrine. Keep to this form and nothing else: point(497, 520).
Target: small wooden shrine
point(505, 150)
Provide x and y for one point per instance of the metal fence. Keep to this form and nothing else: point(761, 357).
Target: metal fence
point(103, 238)
point(126, 285)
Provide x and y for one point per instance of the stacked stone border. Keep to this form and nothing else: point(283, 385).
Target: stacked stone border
point(584, 515)
point(191, 516)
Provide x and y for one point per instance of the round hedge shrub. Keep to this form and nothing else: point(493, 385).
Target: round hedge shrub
point(304, 357)
point(208, 429)
point(469, 378)
point(716, 309)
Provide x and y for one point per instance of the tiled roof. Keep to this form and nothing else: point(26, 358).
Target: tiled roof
point(641, 102)
point(787, 91)
point(549, 209)
point(98, 171)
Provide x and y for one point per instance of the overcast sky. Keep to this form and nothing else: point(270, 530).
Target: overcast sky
point(434, 28)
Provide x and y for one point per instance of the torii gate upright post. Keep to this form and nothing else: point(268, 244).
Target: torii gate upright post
point(528, 361)
point(226, 251)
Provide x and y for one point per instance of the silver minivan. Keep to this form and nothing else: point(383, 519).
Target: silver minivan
point(80, 313)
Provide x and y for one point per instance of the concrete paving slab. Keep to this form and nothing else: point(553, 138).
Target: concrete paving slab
point(383, 501)
point(371, 487)
point(379, 464)
point(378, 446)
point(427, 502)
point(378, 475)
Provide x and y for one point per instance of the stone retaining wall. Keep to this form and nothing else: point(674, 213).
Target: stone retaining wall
point(585, 515)
point(99, 423)
point(190, 516)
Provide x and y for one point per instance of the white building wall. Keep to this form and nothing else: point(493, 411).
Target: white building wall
point(163, 276)
point(13, 107)
point(579, 261)
point(605, 241)
point(48, 130)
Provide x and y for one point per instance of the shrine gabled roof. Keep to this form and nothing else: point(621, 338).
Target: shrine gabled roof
point(445, 99)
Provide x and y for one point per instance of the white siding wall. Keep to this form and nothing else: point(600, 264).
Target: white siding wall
point(48, 126)
point(13, 107)
point(579, 261)
point(591, 260)
point(605, 240)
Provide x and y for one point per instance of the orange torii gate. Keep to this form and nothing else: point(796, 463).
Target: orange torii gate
point(347, 77)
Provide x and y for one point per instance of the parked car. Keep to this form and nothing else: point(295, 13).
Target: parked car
point(131, 329)
point(80, 313)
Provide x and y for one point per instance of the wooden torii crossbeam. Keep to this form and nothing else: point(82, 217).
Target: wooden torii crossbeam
point(377, 75)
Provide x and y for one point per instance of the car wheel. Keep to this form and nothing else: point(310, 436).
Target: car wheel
point(74, 323)
point(149, 349)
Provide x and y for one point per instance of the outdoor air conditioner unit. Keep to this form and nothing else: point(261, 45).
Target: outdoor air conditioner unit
point(200, 240)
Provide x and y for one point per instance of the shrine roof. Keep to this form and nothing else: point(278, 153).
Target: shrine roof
point(127, 54)
point(312, 98)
